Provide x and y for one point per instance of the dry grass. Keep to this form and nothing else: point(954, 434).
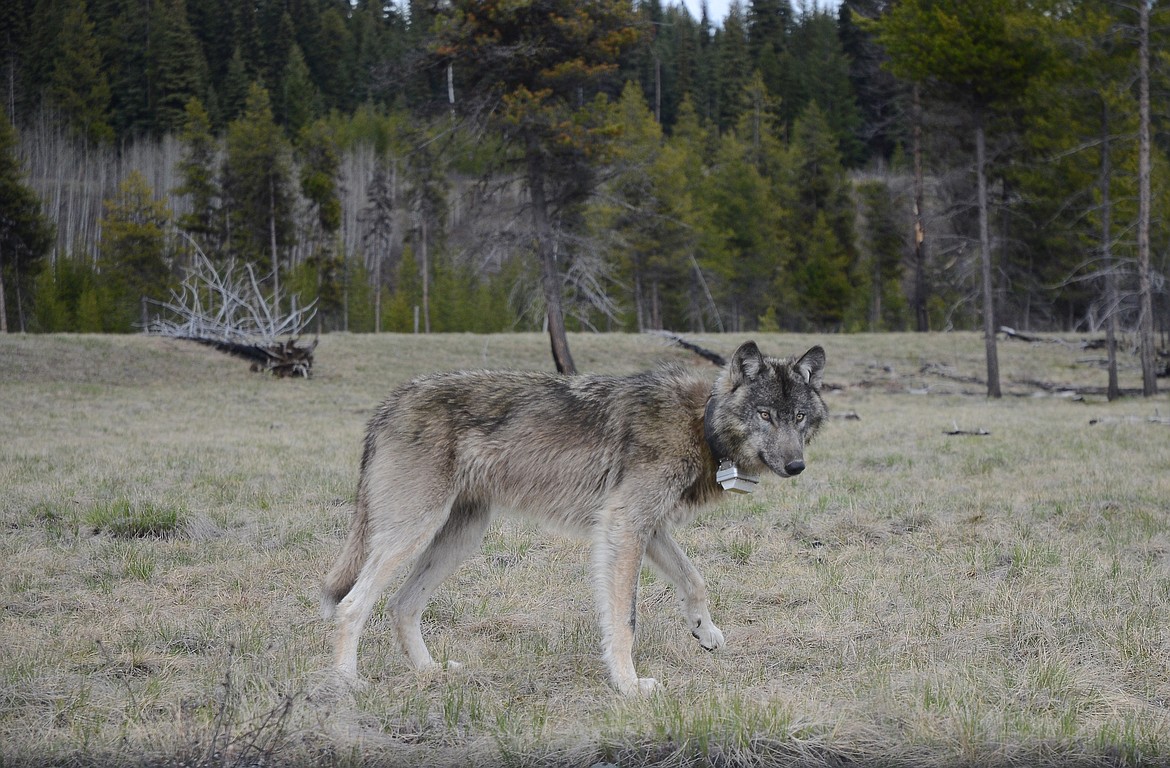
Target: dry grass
point(913, 599)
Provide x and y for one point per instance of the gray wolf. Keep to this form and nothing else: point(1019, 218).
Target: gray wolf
point(617, 459)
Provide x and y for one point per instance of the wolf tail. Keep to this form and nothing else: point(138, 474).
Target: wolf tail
point(341, 577)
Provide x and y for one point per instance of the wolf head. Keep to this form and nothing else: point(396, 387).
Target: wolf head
point(763, 410)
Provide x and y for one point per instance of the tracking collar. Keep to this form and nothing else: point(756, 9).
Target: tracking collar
point(729, 476)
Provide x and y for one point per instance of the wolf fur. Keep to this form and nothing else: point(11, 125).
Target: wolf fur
point(617, 459)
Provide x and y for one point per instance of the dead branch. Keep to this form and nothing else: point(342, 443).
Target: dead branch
point(712, 357)
point(1155, 419)
point(981, 432)
point(227, 309)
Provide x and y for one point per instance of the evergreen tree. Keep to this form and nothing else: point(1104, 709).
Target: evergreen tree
point(821, 277)
point(634, 215)
point(757, 129)
point(881, 99)
point(817, 69)
point(748, 249)
point(978, 56)
point(733, 67)
point(78, 88)
point(819, 180)
point(15, 35)
point(320, 169)
point(818, 191)
point(684, 80)
point(537, 63)
point(134, 255)
point(197, 171)
point(233, 92)
point(299, 100)
point(377, 220)
point(25, 235)
point(336, 64)
point(41, 53)
point(682, 179)
point(212, 23)
point(883, 249)
point(257, 187)
point(178, 71)
point(769, 23)
point(124, 36)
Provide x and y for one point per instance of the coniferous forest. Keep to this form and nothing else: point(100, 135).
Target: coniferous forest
point(487, 166)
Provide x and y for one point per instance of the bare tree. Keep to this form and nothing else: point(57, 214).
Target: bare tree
point(1146, 311)
point(229, 310)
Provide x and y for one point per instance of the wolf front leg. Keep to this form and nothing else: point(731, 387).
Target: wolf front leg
point(617, 561)
point(669, 559)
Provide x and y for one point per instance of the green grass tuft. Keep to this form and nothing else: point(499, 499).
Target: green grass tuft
point(126, 519)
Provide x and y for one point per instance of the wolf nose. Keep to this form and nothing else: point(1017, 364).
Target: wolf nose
point(794, 467)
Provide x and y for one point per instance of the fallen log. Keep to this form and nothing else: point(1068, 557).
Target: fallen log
point(228, 309)
point(282, 358)
point(712, 357)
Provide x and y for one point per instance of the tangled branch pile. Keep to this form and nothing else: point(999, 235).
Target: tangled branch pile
point(229, 311)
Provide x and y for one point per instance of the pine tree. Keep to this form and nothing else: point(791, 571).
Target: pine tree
point(335, 75)
point(134, 256)
point(749, 248)
point(980, 57)
point(320, 169)
point(25, 235)
point(77, 87)
point(818, 190)
point(818, 70)
point(733, 68)
point(537, 65)
point(769, 23)
point(883, 248)
point(124, 36)
point(258, 187)
point(197, 170)
point(233, 92)
point(15, 18)
point(633, 214)
point(300, 102)
point(178, 71)
point(377, 220)
point(821, 277)
point(819, 178)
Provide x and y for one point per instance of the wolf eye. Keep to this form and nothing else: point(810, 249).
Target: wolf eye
point(765, 415)
point(799, 416)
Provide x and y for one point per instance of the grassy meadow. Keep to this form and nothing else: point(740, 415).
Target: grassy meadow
point(913, 599)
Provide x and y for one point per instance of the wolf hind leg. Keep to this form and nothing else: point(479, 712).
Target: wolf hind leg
point(391, 545)
point(669, 559)
point(459, 537)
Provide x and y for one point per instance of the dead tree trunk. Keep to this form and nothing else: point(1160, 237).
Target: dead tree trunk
point(921, 314)
point(1146, 311)
point(546, 253)
point(993, 389)
point(3, 307)
point(1113, 391)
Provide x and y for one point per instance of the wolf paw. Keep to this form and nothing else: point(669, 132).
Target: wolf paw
point(344, 680)
point(440, 667)
point(648, 686)
point(708, 635)
point(641, 686)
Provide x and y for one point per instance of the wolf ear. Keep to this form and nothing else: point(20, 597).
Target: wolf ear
point(746, 363)
point(812, 367)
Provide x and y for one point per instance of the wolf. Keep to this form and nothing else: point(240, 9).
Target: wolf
point(619, 460)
